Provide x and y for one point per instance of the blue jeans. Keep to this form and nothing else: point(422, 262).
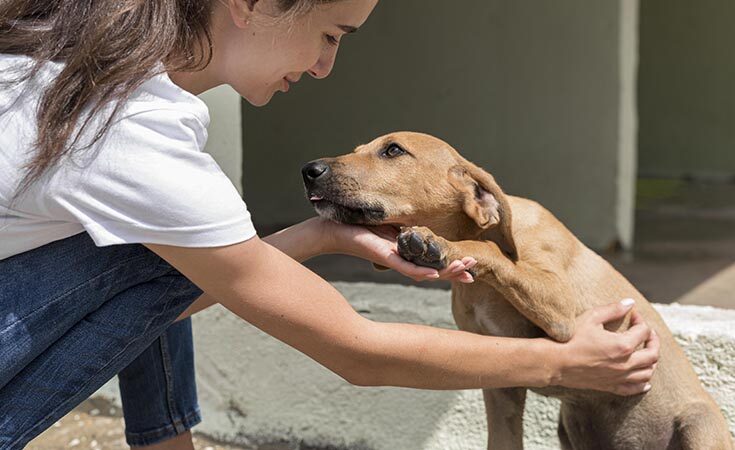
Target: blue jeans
point(73, 315)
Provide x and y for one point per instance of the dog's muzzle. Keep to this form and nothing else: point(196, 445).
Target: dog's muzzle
point(334, 202)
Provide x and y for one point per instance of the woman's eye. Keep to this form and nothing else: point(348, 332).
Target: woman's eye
point(331, 40)
point(393, 150)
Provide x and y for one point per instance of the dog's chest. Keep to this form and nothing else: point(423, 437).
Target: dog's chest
point(481, 309)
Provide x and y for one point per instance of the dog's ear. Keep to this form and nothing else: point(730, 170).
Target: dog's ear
point(485, 203)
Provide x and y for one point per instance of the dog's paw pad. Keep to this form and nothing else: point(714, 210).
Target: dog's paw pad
point(421, 247)
point(416, 244)
point(433, 251)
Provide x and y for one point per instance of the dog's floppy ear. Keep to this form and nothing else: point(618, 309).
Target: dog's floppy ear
point(485, 203)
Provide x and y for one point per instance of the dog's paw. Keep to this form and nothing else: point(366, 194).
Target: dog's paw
point(422, 247)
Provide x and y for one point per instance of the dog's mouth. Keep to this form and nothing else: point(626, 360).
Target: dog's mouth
point(348, 211)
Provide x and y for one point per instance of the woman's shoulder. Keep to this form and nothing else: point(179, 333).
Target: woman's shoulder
point(10, 62)
point(159, 93)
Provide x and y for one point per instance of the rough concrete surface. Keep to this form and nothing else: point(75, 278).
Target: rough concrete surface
point(256, 391)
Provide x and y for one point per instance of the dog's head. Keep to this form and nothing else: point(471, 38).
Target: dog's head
point(408, 179)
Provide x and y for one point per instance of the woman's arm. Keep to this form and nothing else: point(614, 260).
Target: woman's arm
point(270, 290)
point(317, 236)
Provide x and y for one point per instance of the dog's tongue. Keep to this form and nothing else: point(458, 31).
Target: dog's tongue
point(315, 198)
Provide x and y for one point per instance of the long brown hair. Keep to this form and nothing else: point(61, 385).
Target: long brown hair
point(110, 48)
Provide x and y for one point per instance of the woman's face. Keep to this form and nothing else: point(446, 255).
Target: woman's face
point(260, 52)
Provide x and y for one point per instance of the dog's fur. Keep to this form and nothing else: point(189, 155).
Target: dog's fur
point(533, 279)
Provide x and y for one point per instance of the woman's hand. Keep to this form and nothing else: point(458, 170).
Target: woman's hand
point(378, 244)
point(606, 361)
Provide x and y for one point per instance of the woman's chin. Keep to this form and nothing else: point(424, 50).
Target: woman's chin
point(259, 99)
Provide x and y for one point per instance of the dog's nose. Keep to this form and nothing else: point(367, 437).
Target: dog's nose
point(314, 170)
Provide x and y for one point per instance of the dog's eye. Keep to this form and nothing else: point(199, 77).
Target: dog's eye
point(392, 151)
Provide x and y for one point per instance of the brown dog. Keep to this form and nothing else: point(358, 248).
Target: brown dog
point(534, 278)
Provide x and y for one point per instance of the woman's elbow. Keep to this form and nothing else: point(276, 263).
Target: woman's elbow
point(364, 363)
point(363, 370)
point(362, 376)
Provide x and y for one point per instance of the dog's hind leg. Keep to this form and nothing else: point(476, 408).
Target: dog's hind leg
point(504, 409)
point(702, 427)
point(563, 436)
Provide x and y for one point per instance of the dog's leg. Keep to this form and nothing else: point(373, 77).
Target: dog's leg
point(540, 295)
point(563, 437)
point(561, 431)
point(504, 409)
point(703, 428)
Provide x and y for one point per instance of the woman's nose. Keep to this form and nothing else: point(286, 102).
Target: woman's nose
point(324, 65)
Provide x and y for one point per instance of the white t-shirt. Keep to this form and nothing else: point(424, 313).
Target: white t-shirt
point(146, 181)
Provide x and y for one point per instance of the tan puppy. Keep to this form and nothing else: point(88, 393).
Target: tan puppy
point(534, 277)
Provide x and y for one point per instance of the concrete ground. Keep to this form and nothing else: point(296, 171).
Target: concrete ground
point(685, 250)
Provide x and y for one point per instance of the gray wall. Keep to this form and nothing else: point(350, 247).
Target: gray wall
point(224, 141)
point(687, 88)
point(529, 89)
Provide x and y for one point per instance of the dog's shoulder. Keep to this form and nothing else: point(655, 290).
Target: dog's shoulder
point(541, 237)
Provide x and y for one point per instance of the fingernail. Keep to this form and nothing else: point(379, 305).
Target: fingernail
point(434, 275)
point(628, 302)
point(647, 387)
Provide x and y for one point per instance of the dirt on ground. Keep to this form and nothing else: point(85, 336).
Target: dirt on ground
point(98, 425)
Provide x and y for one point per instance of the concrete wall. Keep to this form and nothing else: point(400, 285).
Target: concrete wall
point(255, 390)
point(225, 133)
point(539, 93)
point(687, 88)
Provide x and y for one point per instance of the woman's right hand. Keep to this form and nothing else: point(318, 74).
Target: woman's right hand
point(607, 361)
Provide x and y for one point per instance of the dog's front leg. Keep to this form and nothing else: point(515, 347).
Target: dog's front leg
point(540, 295)
point(504, 409)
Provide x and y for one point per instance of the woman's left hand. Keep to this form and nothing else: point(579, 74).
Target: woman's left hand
point(378, 244)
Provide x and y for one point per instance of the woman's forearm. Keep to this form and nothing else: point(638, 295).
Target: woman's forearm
point(425, 357)
point(301, 241)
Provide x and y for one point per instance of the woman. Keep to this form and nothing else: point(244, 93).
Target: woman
point(115, 224)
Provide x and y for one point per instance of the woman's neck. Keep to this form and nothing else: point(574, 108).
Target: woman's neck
point(195, 82)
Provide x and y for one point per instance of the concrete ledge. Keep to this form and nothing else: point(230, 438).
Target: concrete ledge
point(254, 390)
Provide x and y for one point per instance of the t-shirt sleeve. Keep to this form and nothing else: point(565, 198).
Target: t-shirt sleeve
point(148, 181)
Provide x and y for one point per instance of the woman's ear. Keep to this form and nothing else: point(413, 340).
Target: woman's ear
point(240, 11)
point(485, 203)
